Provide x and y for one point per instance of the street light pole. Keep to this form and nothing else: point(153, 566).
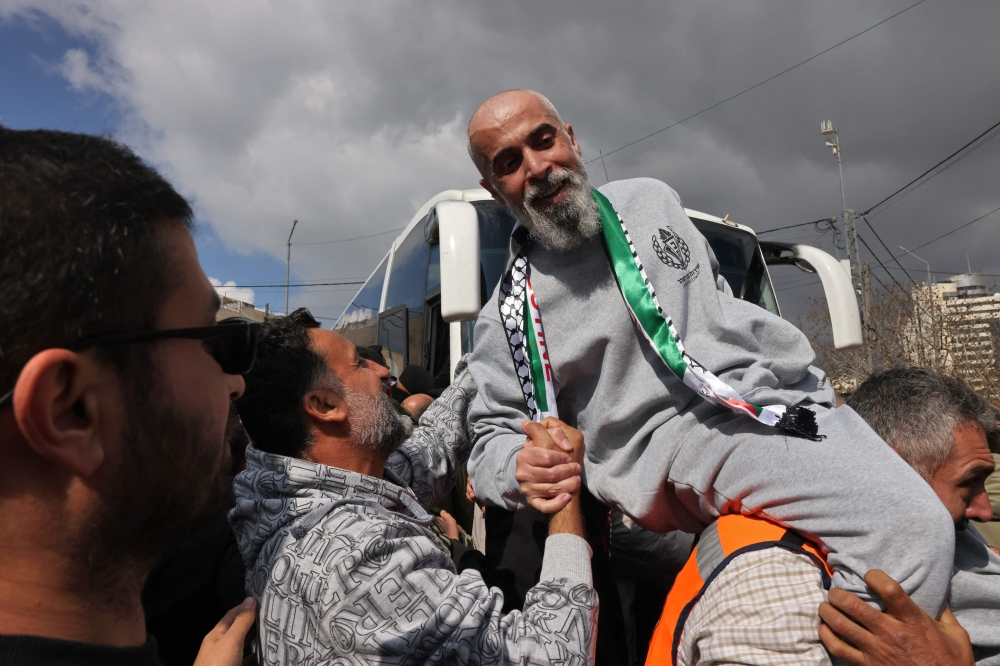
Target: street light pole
point(850, 229)
point(288, 264)
point(923, 260)
point(850, 223)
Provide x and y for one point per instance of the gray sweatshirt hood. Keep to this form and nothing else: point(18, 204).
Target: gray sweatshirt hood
point(275, 492)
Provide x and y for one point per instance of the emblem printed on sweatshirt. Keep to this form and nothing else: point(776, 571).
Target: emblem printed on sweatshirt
point(674, 252)
point(690, 276)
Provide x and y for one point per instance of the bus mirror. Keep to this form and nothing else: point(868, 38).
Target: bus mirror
point(458, 233)
point(845, 319)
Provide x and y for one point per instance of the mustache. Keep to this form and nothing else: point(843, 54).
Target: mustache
point(552, 179)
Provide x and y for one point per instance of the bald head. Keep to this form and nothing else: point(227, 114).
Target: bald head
point(530, 162)
point(499, 111)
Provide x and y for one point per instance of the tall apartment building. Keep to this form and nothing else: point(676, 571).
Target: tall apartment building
point(956, 325)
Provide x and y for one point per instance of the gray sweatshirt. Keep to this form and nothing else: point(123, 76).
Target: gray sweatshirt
point(662, 455)
point(975, 594)
point(346, 568)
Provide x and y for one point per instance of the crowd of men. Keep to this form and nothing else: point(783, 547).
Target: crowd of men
point(665, 476)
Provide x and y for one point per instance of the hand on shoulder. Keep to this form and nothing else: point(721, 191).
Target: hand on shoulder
point(902, 636)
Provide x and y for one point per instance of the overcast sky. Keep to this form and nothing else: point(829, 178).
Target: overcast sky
point(349, 115)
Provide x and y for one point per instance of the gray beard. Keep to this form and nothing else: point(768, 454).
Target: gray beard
point(375, 425)
point(564, 225)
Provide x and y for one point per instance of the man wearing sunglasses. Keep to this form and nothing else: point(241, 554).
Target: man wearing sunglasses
point(115, 384)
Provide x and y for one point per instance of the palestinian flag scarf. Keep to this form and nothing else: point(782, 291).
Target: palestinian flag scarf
point(522, 323)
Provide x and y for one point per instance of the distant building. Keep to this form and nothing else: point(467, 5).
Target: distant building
point(232, 308)
point(955, 328)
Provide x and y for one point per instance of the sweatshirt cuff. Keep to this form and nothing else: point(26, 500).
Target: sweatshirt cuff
point(509, 488)
point(567, 556)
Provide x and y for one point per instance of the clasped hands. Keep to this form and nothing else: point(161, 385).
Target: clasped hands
point(549, 465)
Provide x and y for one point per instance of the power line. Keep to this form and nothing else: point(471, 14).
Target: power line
point(930, 170)
point(959, 228)
point(792, 281)
point(887, 251)
point(732, 97)
point(875, 257)
point(302, 284)
point(952, 272)
point(282, 284)
point(896, 258)
point(801, 224)
point(877, 279)
point(958, 160)
point(807, 284)
point(905, 291)
point(344, 240)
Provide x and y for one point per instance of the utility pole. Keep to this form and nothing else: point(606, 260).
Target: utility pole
point(866, 284)
point(288, 264)
point(930, 295)
point(850, 222)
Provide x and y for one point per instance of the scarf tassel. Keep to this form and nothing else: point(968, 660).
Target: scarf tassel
point(800, 422)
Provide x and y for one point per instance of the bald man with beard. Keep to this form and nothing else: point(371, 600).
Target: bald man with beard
point(726, 416)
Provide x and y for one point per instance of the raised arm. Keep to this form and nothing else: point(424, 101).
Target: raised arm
point(559, 621)
point(429, 460)
point(496, 416)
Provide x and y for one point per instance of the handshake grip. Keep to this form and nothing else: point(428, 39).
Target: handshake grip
point(549, 465)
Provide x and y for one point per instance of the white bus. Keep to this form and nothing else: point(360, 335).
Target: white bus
point(422, 300)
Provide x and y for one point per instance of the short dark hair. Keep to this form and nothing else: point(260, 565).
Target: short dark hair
point(287, 367)
point(916, 411)
point(82, 254)
point(373, 353)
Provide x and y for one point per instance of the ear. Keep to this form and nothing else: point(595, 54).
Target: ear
point(57, 410)
point(486, 185)
point(325, 405)
point(572, 140)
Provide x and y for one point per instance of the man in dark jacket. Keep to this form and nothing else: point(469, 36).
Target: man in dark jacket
point(115, 383)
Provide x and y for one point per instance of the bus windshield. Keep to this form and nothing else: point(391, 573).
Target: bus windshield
point(740, 263)
point(495, 227)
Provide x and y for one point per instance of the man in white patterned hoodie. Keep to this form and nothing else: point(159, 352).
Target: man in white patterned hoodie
point(331, 518)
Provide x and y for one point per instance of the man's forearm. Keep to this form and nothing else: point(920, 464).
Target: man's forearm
point(493, 487)
point(430, 459)
point(568, 520)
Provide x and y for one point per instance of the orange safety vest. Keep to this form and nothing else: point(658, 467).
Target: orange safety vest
point(721, 541)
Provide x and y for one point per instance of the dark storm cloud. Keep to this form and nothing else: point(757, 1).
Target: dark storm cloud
point(904, 95)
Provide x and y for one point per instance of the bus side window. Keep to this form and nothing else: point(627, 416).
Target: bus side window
point(436, 330)
point(357, 324)
point(392, 337)
point(407, 282)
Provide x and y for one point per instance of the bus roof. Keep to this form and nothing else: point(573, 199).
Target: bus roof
point(479, 194)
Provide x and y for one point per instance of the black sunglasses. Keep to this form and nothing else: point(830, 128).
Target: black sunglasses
point(232, 343)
